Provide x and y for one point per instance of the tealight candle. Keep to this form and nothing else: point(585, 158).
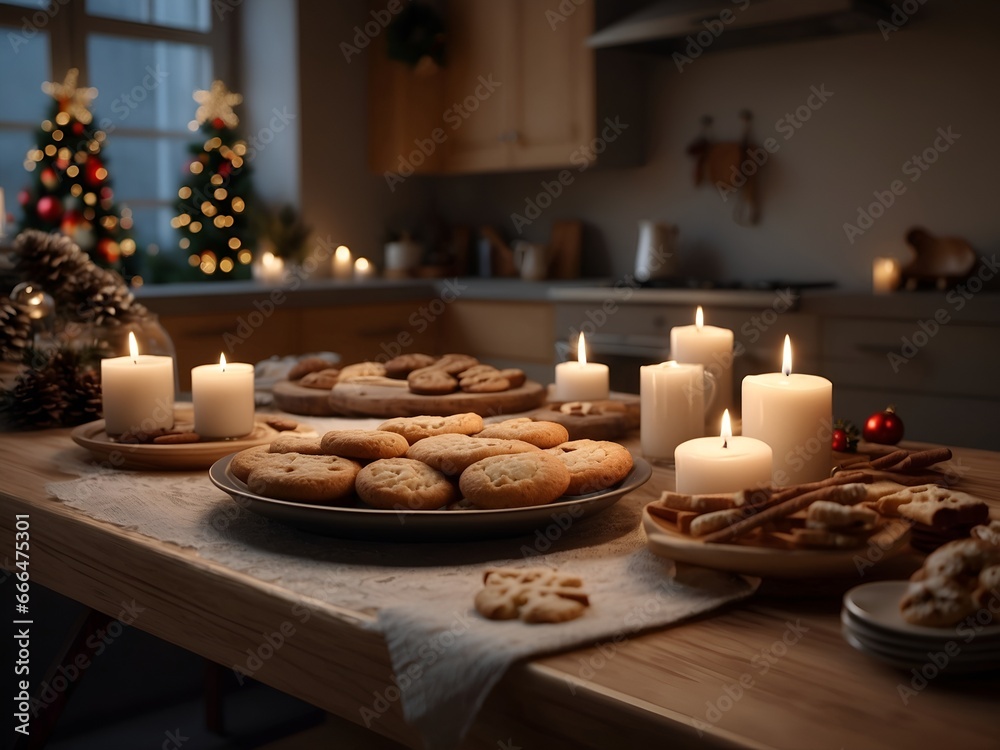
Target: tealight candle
point(711, 347)
point(137, 391)
point(343, 264)
point(671, 407)
point(223, 399)
point(270, 268)
point(722, 464)
point(363, 269)
point(886, 275)
point(581, 380)
point(793, 413)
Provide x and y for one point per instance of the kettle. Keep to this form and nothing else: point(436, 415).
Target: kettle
point(656, 253)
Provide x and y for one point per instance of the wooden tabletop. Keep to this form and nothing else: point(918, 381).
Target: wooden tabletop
point(771, 672)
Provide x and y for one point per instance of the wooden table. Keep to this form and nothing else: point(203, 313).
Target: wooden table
point(721, 681)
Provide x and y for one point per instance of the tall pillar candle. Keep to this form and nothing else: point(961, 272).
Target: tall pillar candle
point(581, 380)
point(223, 398)
point(793, 413)
point(671, 406)
point(711, 465)
point(711, 347)
point(137, 391)
point(343, 263)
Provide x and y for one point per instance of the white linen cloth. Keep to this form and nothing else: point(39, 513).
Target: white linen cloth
point(446, 657)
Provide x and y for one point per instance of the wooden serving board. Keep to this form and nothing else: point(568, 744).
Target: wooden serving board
point(372, 400)
point(297, 399)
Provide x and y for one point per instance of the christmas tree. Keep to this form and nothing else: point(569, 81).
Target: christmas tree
point(71, 192)
point(212, 215)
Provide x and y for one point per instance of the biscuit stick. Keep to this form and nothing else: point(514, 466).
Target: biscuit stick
point(846, 494)
point(889, 459)
point(923, 459)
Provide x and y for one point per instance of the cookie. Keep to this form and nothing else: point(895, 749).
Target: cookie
point(593, 464)
point(936, 603)
point(431, 381)
point(452, 454)
point(536, 595)
point(517, 480)
point(404, 484)
point(824, 514)
point(514, 376)
point(177, 438)
point(484, 383)
point(281, 424)
point(361, 369)
point(960, 561)
point(404, 364)
point(307, 479)
point(987, 532)
point(480, 369)
point(364, 444)
point(309, 445)
point(306, 365)
point(246, 460)
point(453, 364)
point(934, 506)
point(322, 380)
point(418, 428)
point(988, 588)
point(540, 433)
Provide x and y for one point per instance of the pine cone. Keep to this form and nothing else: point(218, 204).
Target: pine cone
point(15, 331)
point(61, 391)
point(82, 290)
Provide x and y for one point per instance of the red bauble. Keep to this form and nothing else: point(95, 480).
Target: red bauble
point(49, 209)
point(218, 124)
point(109, 250)
point(77, 128)
point(49, 178)
point(24, 197)
point(884, 427)
point(225, 168)
point(106, 193)
point(94, 171)
point(839, 441)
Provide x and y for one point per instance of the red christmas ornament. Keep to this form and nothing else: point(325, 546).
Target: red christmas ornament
point(106, 193)
point(49, 209)
point(225, 168)
point(77, 128)
point(24, 197)
point(109, 250)
point(845, 437)
point(884, 427)
point(49, 178)
point(94, 171)
point(217, 123)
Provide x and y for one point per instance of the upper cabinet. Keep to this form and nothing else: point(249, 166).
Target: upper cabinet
point(520, 90)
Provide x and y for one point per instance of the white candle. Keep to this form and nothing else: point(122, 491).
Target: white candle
point(363, 269)
point(270, 268)
point(722, 464)
point(343, 265)
point(223, 399)
point(137, 392)
point(792, 413)
point(886, 275)
point(671, 407)
point(581, 380)
point(711, 347)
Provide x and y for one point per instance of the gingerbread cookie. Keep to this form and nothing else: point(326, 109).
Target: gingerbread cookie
point(514, 376)
point(307, 479)
point(364, 444)
point(431, 381)
point(484, 383)
point(452, 454)
point(404, 484)
point(404, 364)
point(362, 369)
point(593, 464)
point(540, 433)
point(322, 380)
point(517, 480)
point(453, 364)
point(536, 595)
point(306, 365)
point(418, 428)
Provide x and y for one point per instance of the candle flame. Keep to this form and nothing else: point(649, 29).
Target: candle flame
point(133, 347)
point(342, 253)
point(361, 264)
point(699, 318)
point(727, 429)
point(222, 362)
point(786, 360)
point(581, 350)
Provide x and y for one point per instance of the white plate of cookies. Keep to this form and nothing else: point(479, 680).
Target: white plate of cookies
point(432, 478)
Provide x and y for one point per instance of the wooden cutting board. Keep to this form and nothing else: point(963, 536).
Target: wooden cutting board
point(372, 400)
point(297, 399)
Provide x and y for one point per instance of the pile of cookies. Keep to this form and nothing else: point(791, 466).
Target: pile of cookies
point(429, 463)
point(420, 373)
point(183, 433)
point(957, 580)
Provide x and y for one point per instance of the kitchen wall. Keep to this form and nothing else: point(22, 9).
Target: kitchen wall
point(886, 101)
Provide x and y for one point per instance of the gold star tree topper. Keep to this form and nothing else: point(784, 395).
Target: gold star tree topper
point(74, 100)
point(217, 102)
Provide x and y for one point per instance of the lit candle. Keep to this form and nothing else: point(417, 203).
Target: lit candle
point(711, 347)
point(792, 413)
point(885, 275)
point(343, 265)
point(223, 399)
point(710, 465)
point(271, 268)
point(363, 269)
point(671, 407)
point(137, 391)
point(581, 380)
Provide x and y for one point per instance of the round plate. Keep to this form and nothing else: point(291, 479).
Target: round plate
point(890, 641)
point(756, 561)
point(904, 659)
point(877, 604)
point(174, 457)
point(362, 522)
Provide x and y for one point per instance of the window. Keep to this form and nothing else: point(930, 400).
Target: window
point(146, 58)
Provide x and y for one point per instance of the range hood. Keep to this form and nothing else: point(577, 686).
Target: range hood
point(671, 25)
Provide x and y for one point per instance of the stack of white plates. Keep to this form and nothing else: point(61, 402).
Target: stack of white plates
point(872, 623)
